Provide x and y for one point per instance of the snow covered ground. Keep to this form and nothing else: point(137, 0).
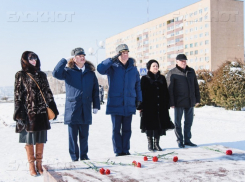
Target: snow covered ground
point(212, 126)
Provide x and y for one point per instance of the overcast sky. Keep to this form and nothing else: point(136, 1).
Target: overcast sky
point(86, 21)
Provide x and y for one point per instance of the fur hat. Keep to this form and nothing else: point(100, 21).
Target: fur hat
point(122, 47)
point(78, 51)
point(148, 65)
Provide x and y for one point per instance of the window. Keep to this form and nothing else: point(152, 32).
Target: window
point(191, 45)
point(196, 52)
point(191, 53)
point(186, 46)
point(206, 50)
point(201, 43)
point(206, 17)
point(206, 9)
point(206, 33)
point(195, 13)
point(206, 58)
point(195, 36)
point(201, 35)
point(200, 11)
point(200, 19)
point(186, 53)
point(196, 44)
point(206, 25)
point(206, 42)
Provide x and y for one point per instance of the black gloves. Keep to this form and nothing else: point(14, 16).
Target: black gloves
point(116, 56)
point(138, 105)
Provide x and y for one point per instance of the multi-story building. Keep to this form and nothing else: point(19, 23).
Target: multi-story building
point(209, 32)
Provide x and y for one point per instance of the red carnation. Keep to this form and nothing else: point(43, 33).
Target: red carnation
point(139, 165)
point(155, 159)
point(229, 152)
point(175, 159)
point(107, 171)
point(102, 171)
point(135, 163)
point(145, 158)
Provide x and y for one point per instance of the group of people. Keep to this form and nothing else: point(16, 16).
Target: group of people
point(152, 95)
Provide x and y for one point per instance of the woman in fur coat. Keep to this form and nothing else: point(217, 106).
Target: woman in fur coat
point(155, 118)
point(30, 109)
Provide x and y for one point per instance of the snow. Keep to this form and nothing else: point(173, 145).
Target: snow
point(213, 127)
point(200, 81)
point(235, 69)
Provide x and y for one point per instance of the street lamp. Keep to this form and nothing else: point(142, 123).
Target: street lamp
point(92, 52)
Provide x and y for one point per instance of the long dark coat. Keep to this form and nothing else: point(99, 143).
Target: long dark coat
point(124, 86)
point(82, 90)
point(29, 104)
point(155, 105)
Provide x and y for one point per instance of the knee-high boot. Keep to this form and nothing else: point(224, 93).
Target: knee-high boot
point(39, 157)
point(31, 159)
point(150, 143)
point(156, 143)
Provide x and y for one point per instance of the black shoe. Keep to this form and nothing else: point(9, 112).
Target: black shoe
point(84, 158)
point(119, 154)
point(127, 153)
point(181, 145)
point(190, 144)
point(75, 160)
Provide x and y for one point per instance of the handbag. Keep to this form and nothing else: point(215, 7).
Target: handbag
point(50, 113)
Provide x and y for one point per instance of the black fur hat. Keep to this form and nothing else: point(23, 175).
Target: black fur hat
point(148, 65)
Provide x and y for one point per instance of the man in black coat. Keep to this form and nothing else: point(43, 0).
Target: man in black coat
point(184, 95)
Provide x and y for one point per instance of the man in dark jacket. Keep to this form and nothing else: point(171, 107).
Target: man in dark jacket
point(82, 89)
point(184, 95)
point(124, 92)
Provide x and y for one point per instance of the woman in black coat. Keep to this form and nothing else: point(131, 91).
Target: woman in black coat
point(30, 111)
point(155, 118)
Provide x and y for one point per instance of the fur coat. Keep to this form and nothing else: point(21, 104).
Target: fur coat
point(155, 104)
point(30, 107)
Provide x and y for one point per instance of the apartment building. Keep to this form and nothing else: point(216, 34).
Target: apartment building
point(209, 32)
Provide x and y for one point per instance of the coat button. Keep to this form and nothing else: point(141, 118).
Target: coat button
point(157, 87)
point(158, 96)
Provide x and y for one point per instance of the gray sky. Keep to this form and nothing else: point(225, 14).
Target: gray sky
point(86, 22)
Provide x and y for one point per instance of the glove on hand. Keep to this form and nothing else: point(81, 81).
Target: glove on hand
point(116, 56)
point(95, 111)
